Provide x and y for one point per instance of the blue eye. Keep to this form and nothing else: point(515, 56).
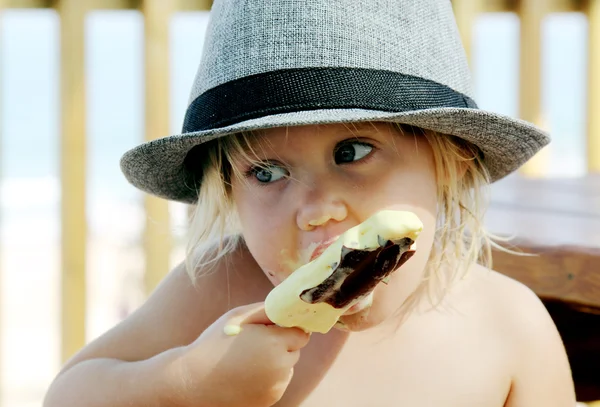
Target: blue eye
point(349, 152)
point(268, 173)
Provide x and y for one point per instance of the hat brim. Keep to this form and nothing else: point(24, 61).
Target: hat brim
point(157, 166)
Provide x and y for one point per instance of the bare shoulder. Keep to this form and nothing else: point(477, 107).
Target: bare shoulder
point(541, 375)
point(178, 311)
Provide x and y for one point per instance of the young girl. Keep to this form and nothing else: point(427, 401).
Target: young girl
point(306, 118)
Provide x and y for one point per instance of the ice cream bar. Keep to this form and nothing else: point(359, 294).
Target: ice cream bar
point(315, 295)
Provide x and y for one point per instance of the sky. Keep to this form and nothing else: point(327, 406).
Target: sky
point(29, 98)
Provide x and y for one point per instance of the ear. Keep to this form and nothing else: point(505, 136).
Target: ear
point(469, 158)
point(459, 169)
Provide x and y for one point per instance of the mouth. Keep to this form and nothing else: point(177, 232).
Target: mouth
point(359, 271)
point(322, 247)
point(361, 304)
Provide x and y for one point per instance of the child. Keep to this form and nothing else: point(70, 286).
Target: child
point(307, 117)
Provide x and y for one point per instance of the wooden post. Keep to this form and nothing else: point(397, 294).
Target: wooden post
point(531, 13)
point(193, 5)
point(157, 235)
point(465, 12)
point(2, 7)
point(73, 176)
point(593, 115)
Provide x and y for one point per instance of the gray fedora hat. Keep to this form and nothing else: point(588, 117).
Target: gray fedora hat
point(272, 63)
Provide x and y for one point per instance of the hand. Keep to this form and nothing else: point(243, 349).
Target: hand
point(250, 366)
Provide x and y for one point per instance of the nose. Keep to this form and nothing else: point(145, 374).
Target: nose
point(319, 206)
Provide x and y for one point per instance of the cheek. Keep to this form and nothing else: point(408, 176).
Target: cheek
point(409, 185)
point(416, 190)
point(265, 234)
point(401, 186)
point(255, 215)
point(259, 209)
point(270, 253)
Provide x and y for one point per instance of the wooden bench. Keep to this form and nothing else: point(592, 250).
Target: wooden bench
point(558, 220)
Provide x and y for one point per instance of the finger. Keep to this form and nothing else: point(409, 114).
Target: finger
point(247, 314)
point(292, 358)
point(294, 338)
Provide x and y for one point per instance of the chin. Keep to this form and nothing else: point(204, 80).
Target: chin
point(367, 318)
point(363, 320)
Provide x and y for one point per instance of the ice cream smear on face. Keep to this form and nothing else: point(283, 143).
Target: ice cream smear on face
point(341, 279)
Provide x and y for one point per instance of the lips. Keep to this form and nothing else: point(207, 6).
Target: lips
point(358, 271)
point(322, 247)
point(360, 305)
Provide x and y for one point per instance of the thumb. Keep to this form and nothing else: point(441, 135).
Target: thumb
point(244, 315)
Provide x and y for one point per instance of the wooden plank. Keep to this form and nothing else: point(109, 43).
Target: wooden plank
point(548, 212)
point(593, 87)
point(178, 5)
point(559, 222)
point(113, 4)
point(490, 6)
point(73, 176)
point(499, 6)
point(29, 3)
point(565, 273)
point(512, 6)
point(531, 13)
point(157, 235)
point(90, 4)
point(193, 5)
point(565, 6)
point(547, 229)
point(578, 197)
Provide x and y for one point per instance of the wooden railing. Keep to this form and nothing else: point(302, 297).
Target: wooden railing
point(156, 15)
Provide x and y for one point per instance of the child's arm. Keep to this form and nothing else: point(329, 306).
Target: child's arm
point(112, 382)
point(174, 316)
point(543, 375)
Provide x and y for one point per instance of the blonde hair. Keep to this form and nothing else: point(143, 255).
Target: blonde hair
point(460, 239)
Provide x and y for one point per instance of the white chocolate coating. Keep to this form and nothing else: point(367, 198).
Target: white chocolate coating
point(283, 305)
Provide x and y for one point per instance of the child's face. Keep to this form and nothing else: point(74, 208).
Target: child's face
point(323, 180)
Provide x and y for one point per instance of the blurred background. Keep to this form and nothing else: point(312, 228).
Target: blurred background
point(81, 82)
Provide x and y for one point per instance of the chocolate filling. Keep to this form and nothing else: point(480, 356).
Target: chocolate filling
point(358, 272)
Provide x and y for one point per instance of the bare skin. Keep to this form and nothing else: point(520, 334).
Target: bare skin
point(481, 351)
point(490, 343)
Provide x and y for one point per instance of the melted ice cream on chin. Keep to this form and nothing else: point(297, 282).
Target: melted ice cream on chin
point(362, 303)
point(355, 321)
point(290, 262)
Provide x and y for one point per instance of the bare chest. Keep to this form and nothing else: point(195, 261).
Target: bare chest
point(439, 366)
